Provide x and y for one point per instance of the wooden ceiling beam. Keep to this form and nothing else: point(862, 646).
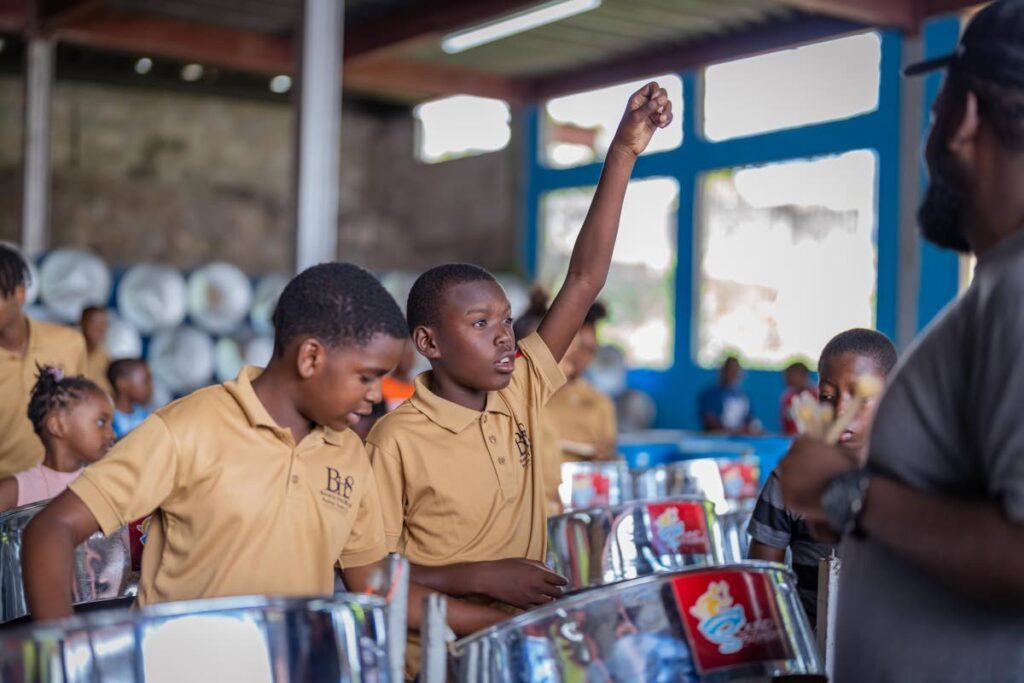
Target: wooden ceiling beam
point(150, 35)
point(402, 27)
point(56, 14)
point(903, 14)
point(652, 62)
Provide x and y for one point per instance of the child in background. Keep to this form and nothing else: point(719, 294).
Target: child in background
point(72, 418)
point(462, 492)
point(133, 392)
point(547, 441)
point(94, 325)
point(798, 380)
point(725, 407)
point(584, 417)
point(397, 387)
point(773, 528)
point(24, 345)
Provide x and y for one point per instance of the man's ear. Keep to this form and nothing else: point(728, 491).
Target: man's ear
point(19, 295)
point(310, 358)
point(426, 342)
point(963, 141)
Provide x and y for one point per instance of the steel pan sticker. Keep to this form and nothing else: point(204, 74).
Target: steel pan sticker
point(740, 479)
point(678, 528)
point(590, 489)
point(138, 532)
point(731, 619)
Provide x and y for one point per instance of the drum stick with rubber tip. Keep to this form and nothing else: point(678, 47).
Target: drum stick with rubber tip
point(867, 387)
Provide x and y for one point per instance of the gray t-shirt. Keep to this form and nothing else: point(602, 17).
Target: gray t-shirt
point(951, 423)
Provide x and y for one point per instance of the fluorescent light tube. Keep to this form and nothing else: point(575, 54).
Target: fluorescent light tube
point(548, 13)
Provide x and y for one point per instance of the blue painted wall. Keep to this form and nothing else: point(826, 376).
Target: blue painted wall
point(675, 389)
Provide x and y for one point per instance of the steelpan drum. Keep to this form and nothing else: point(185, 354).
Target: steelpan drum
point(152, 297)
point(224, 640)
point(728, 623)
point(219, 297)
point(700, 477)
point(607, 545)
point(264, 302)
point(72, 279)
point(741, 478)
point(103, 566)
point(182, 358)
point(594, 484)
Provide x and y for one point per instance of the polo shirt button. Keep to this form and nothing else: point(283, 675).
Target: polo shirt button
point(295, 479)
point(483, 419)
point(492, 440)
point(501, 461)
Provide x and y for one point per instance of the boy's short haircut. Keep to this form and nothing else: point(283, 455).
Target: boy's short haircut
point(14, 271)
point(799, 366)
point(429, 289)
point(862, 342)
point(598, 312)
point(89, 310)
point(122, 368)
point(340, 304)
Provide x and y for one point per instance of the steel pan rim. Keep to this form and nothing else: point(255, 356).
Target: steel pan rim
point(133, 615)
point(632, 504)
point(19, 511)
point(567, 603)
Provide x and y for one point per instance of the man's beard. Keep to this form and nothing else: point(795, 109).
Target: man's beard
point(941, 214)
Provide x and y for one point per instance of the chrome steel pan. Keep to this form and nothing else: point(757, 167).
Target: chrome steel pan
point(594, 484)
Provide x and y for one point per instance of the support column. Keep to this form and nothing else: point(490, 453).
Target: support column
point(319, 133)
point(35, 208)
point(911, 124)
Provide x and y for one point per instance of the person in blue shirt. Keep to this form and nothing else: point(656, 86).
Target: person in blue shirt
point(133, 392)
point(725, 407)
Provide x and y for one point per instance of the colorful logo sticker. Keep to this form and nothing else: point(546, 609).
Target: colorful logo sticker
point(138, 532)
point(731, 619)
point(590, 489)
point(740, 479)
point(678, 528)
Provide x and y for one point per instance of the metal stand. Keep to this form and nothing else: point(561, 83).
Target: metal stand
point(828, 592)
point(398, 614)
point(436, 636)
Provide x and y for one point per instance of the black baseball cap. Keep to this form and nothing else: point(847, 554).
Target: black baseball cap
point(992, 47)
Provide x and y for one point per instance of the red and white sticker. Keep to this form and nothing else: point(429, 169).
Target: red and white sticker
point(590, 490)
point(740, 479)
point(678, 528)
point(731, 618)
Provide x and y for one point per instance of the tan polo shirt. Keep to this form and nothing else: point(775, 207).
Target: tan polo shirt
point(20, 448)
point(582, 414)
point(458, 485)
point(550, 454)
point(242, 509)
point(96, 369)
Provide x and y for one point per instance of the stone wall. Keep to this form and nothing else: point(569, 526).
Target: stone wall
point(147, 175)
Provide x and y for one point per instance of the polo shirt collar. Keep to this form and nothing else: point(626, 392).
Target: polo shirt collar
point(449, 415)
point(242, 391)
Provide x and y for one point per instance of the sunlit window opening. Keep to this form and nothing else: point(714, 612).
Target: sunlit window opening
point(786, 258)
point(825, 81)
point(461, 126)
point(640, 293)
point(578, 129)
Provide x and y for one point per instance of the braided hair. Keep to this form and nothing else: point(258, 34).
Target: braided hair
point(53, 391)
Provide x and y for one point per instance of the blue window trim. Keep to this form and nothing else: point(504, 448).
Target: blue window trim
point(674, 390)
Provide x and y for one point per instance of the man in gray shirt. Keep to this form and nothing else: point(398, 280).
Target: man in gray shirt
point(932, 585)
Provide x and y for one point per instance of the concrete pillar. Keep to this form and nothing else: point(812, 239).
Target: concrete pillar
point(319, 132)
point(35, 211)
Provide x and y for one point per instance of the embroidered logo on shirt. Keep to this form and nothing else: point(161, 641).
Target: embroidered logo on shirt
point(338, 493)
point(523, 444)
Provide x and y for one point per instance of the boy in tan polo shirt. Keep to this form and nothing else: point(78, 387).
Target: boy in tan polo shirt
point(461, 493)
point(259, 487)
point(24, 343)
point(584, 417)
